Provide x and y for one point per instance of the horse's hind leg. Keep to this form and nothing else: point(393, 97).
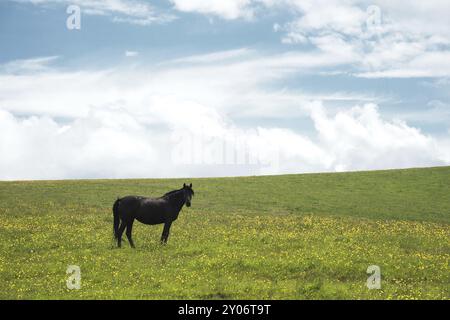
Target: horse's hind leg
point(119, 235)
point(128, 232)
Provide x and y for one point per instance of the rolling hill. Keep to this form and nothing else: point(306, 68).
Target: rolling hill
point(305, 236)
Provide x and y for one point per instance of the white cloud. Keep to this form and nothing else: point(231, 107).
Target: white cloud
point(116, 143)
point(136, 12)
point(435, 112)
point(416, 16)
point(129, 53)
point(379, 38)
point(145, 21)
point(230, 9)
point(427, 64)
point(384, 38)
point(220, 56)
point(172, 120)
point(104, 144)
point(316, 16)
point(358, 138)
point(28, 65)
point(232, 82)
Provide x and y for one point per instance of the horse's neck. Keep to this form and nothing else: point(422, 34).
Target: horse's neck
point(178, 200)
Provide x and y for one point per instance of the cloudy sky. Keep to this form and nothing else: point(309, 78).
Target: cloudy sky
point(188, 88)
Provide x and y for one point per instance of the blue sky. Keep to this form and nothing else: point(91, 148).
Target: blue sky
point(186, 88)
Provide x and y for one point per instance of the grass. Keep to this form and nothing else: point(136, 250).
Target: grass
point(273, 237)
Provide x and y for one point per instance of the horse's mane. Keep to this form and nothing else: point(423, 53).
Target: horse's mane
point(171, 193)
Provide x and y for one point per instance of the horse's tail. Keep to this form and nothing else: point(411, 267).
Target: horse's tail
point(116, 218)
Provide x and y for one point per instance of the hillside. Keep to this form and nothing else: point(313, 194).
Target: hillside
point(411, 194)
point(290, 236)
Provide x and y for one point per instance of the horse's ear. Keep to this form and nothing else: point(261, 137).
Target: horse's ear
point(190, 186)
point(184, 185)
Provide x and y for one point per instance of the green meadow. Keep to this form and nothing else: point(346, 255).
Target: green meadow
point(309, 236)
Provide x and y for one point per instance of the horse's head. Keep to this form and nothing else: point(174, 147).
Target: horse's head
point(188, 193)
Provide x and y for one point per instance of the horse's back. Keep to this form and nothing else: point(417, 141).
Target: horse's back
point(129, 203)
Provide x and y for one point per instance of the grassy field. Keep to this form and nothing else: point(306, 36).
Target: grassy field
point(280, 237)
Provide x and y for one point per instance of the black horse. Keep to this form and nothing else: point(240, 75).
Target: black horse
point(149, 211)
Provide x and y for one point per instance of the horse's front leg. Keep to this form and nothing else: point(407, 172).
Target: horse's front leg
point(165, 233)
